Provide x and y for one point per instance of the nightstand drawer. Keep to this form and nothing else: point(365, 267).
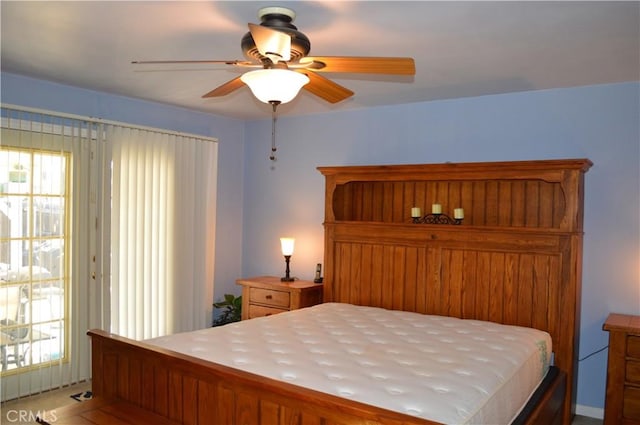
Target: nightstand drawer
point(633, 346)
point(269, 297)
point(260, 311)
point(632, 373)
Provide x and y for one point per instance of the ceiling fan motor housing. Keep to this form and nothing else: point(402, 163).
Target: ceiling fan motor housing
point(280, 19)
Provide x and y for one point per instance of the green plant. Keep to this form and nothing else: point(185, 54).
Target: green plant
point(231, 310)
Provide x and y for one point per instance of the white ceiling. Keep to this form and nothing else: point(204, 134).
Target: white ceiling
point(461, 49)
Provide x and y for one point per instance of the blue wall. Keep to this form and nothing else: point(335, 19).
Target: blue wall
point(260, 200)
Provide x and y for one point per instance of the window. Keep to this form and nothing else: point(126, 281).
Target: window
point(34, 280)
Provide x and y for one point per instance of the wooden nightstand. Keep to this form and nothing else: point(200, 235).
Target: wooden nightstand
point(267, 295)
point(622, 403)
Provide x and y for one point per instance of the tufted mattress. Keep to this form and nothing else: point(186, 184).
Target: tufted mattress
point(439, 368)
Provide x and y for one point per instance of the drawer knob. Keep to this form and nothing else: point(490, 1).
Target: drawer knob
point(269, 297)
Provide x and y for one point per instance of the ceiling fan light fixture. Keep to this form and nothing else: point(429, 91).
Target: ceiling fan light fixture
point(274, 85)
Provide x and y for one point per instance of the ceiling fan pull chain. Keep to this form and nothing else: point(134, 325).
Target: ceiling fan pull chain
point(274, 105)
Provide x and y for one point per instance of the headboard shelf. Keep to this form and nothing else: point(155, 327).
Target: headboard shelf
point(520, 194)
point(515, 259)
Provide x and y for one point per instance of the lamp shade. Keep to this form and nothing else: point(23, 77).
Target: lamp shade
point(287, 245)
point(274, 85)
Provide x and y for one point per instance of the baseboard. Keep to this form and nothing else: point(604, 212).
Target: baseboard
point(592, 412)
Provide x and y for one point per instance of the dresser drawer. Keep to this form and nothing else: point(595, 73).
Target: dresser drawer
point(622, 403)
point(270, 297)
point(260, 311)
point(632, 372)
point(633, 346)
point(631, 403)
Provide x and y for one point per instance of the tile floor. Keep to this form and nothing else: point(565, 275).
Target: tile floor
point(22, 410)
point(585, 420)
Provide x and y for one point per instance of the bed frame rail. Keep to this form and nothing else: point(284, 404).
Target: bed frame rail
point(195, 391)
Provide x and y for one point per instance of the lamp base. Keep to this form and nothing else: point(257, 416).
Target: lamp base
point(287, 277)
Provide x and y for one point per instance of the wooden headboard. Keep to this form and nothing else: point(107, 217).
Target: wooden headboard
point(515, 259)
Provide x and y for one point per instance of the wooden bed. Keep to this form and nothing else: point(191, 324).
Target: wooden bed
point(514, 259)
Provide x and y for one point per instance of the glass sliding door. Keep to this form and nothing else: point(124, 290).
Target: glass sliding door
point(34, 283)
point(52, 266)
point(66, 183)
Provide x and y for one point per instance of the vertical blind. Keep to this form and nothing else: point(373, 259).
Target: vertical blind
point(142, 232)
point(162, 224)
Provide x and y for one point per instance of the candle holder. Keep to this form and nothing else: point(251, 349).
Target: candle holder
point(436, 219)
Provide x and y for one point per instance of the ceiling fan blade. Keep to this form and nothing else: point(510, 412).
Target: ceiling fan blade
point(325, 88)
point(225, 88)
point(361, 65)
point(275, 45)
point(227, 62)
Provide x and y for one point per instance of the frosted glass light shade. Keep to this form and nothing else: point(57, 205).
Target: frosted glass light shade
point(274, 85)
point(287, 245)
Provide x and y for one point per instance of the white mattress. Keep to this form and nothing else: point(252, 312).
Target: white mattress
point(439, 368)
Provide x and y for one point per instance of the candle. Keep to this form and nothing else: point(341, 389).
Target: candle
point(458, 213)
point(415, 212)
point(436, 209)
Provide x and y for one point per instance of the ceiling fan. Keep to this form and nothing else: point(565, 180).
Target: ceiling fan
point(279, 51)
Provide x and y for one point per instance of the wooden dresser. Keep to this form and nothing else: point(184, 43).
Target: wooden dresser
point(622, 404)
point(267, 295)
